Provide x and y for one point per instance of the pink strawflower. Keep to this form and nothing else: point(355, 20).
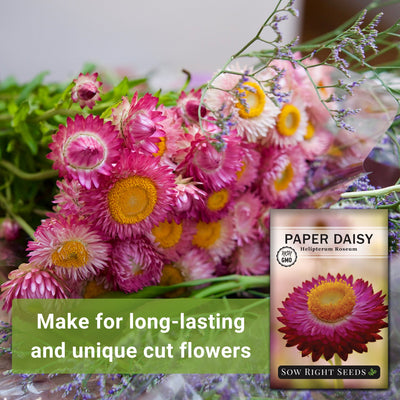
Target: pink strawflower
point(216, 237)
point(245, 213)
point(245, 99)
point(69, 245)
point(32, 282)
point(322, 75)
point(250, 259)
point(353, 316)
point(248, 171)
point(172, 238)
point(85, 149)
point(188, 106)
point(174, 134)
point(195, 264)
point(291, 125)
point(139, 123)
point(138, 195)
point(188, 197)
point(217, 204)
point(67, 200)
point(282, 175)
point(317, 141)
point(9, 229)
point(86, 90)
point(214, 168)
point(135, 264)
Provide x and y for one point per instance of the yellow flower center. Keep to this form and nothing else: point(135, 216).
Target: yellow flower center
point(132, 199)
point(288, 120)
point(71, 254)
point(283, 181)
point(162, 146)
point(207, 234)
point(93, 289)
point(167, 234)
point(331, 301)
point(309, 132)
point(217, 200)
point(240, 173)
point(254, 98)
point(171, 276)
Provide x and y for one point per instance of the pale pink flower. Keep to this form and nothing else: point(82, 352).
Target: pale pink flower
point(282, 175)
point(71, 246)
point(250, 259)
point(245, 213)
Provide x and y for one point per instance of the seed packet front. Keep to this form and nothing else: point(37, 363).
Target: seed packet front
point(329, 299)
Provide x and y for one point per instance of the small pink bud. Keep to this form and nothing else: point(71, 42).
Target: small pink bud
point(9, 229)
point(86, 90)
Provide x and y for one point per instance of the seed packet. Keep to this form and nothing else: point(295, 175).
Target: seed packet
point(329, 299)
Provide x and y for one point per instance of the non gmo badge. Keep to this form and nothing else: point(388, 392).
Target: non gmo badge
point(286, 256)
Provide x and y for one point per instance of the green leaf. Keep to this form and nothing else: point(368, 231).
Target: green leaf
point(8, 83)
point(27, 137)
point(31, 86)
point(169, 99)
point(21, 114)
point(88, 68)
point(66, 94)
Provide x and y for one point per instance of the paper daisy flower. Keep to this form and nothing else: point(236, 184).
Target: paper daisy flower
point(333, 315)
point(9, 229)
point(194, 264)
point(135, 264)
point(139, 123)
point(317, 141)
point(188, 197)
point(172, 239)
point(137, 196)
point(246, 100)
point(188, 106)
point(215, 237)
point(217, 204)
point(69, 245)
point(245, 213)
point(291, 125)
point(282, 174)
point(85, 149)
point(31, 282)
point(86, 90)
point(67, 200)
point(248, 171)
point(250, 259)
point(214, 168)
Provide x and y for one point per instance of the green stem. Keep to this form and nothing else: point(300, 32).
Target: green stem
point(21, 222)
point(338, 382)
point(240, 283)
point(28, 176)
point(372, 193)
point(54, 111)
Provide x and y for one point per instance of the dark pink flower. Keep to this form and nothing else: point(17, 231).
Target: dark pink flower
point(329, 315)
point(31, 282)
point(86, 90)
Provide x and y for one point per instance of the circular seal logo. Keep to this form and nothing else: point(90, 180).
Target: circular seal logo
point(286, 256)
